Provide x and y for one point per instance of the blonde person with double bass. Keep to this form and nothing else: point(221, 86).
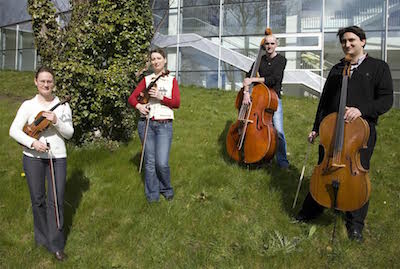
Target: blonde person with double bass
point(271, 71)
point(369, 95)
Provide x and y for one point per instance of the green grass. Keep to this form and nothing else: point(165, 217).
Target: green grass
point(223, 215)
point(17, 85)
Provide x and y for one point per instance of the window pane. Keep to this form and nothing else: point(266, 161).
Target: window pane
point(195, 60)
point(162, 21)
point(161, 4)
point(367, 14)
point(202, 20)
point(231, 77)
point(26, 58)
point(9, 39)
point(393, 59)
point(245, 18)
point(374, 44)
point(333, 51)
point(394, 15)
point(191, 3)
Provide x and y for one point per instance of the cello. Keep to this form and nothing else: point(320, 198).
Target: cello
point(339, 181)
point(253, 137)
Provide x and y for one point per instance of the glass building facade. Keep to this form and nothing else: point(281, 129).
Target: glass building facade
point(306, 30)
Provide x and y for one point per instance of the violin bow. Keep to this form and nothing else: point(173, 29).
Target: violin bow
point(53, 181)
point(144, 143)
point(301, 176)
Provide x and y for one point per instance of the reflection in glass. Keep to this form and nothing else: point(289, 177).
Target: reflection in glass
point(8, 45)
point(26, 59)
point(393, 46)
point(245, 18)
point(198, 68)
point(232, 77)
point(195, 60)
point(202, 20)
point(9, 59)
point(191, 3)
point(161, 21)
point(394, 15)
point(368, 14)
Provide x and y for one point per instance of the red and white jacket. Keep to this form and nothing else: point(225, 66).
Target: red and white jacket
point(159, 109)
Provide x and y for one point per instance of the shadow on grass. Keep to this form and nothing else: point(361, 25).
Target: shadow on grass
point(287, 180)
point(222, 143)
point(76, 185)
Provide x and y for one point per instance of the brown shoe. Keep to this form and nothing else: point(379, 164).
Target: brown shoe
point(60, 255)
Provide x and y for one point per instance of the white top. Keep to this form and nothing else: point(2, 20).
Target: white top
point(54, 134)
point(159, 111)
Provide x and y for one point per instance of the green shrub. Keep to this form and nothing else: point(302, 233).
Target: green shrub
point(95, 58)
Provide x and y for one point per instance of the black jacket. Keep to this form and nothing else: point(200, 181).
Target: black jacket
point(272, 71)
point(370, 89)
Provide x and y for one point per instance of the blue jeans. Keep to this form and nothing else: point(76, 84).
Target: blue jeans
point(278, 124)
point(156, 156)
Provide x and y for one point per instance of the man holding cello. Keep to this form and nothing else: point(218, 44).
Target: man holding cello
point(369, 95)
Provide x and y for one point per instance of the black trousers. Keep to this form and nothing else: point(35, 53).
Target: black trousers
point(44, 218)
point(354, 219)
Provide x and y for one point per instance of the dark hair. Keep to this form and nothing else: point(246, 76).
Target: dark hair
point(352, 29)
point(44, 69)
point(158, 50)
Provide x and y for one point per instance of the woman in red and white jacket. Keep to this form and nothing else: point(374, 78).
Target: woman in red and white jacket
point(164, 97)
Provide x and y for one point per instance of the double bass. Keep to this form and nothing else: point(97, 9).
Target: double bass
point(253, 137)
point(339, 181)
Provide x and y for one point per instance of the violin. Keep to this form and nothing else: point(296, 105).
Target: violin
point(339, 181)
point(253, 137)
point(41, 123)
point(144, 96)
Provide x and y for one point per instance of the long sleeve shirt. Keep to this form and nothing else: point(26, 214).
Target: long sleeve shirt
point(370, 89)
point(54, 134)
point(272, 71)
point(159, 109)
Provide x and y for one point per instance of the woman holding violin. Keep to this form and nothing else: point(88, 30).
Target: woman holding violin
point(47, 145)
point(369, 94)
point(155, 102)
point(271, 71)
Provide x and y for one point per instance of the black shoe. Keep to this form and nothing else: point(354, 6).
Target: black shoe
point(60, 255)
point(355, 235)
point(169, 198)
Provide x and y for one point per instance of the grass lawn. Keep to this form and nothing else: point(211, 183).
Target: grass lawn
point(222, 216)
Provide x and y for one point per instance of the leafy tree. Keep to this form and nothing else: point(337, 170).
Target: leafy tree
point(95, 58)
